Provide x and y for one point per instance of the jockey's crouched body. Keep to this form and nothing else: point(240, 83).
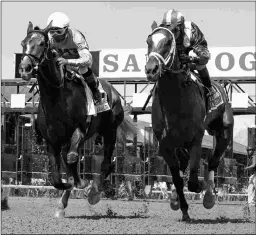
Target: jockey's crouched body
point(189, 37)
point(74, 50)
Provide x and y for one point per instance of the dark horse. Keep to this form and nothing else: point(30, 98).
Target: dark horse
point(62, 111)
point(180, 118)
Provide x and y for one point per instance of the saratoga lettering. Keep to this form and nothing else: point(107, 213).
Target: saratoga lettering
point(231, 61)
point(111, 63)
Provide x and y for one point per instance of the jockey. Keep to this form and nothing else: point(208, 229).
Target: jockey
point(74, 50)
point(189, 37)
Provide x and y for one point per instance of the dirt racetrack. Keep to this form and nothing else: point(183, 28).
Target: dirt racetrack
point(35, 215)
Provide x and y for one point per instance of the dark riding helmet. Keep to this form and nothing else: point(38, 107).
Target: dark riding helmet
point(172, 19)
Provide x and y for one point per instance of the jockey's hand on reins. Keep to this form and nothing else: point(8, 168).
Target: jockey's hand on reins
point(62, 61)
point(184, 59)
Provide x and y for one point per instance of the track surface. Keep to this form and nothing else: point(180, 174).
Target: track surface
point(35, 215)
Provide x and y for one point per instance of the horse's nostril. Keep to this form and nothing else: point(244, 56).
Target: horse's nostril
point(155, 69)
point(28, 68)
point(148, 71)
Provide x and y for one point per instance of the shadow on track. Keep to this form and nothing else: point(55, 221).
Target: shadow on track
point(220, 220)
point(98, 217)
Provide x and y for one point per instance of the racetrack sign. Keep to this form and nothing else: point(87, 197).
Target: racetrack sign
point(225, 62)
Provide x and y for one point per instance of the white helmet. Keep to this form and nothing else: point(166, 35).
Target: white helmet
point(58, 19)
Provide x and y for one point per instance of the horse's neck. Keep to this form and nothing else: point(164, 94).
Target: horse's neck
point(48, 76)
point(51, 67)
point(176, 62)
point(169, 84)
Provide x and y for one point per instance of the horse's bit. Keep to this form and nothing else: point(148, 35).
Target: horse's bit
point(170, 57)
point(35, 61)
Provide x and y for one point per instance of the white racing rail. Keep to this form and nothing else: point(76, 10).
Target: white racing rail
point(227, 197)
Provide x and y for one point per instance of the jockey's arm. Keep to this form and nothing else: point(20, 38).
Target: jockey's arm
point(199, 47)
point(85, 57)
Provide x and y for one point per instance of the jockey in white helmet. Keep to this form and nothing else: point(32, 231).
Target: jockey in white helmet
point(189, 37)
point(73, 48)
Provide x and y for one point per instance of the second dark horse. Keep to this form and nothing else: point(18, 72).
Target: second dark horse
point(180, 118)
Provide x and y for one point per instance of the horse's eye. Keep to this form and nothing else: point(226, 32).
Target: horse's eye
point(41, 44)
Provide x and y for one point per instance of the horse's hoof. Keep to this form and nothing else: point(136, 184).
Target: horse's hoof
point(72, 157)
point(209, 199)
point(83, 184)
point(59, 214)
point(71, 181)
point(186, 218)
point(194, 187)
point(203, 185)
point(93, 196)
point(174, 202)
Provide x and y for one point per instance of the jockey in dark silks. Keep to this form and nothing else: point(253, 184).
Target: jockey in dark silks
point(74, 50)
point(189, 37)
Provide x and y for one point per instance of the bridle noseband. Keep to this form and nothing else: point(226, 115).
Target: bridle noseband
point(168, 61)
point(35, 61)
point(171, 54)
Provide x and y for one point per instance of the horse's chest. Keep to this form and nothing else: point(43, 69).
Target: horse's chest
point(176, 115)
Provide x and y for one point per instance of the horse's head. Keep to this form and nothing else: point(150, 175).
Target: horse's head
point(161, 52)
point(35, 47)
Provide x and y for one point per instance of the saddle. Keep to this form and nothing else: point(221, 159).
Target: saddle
point(92, 109)
point(212, 103)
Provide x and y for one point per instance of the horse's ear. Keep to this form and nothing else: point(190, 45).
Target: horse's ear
point(48, 27)
point(154, 25)
point(30, 27)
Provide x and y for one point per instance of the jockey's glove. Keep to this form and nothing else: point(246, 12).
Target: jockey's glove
point(192, 66)
point(185, 59)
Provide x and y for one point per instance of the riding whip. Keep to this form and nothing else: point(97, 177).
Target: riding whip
point(149, 97)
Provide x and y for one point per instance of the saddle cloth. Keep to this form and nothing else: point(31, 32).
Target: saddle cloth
point(216, 99)
point(93, 109)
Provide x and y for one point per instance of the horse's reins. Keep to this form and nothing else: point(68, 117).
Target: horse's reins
point(35, 61)
point(161, 60)
point(171, 54)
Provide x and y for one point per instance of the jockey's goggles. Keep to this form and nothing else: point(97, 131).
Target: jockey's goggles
point(54, 31)
point(176, 29)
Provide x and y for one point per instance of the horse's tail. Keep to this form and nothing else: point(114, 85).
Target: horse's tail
point(127, 128)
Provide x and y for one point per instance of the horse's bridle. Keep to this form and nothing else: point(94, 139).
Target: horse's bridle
point(168, 61)
point(35, 61)
point(171, 54)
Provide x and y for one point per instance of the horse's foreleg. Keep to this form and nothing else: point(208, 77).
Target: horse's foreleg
point(62, 204)
point(180, 199)
point(55, 162)
point(177, 199)
point(223, 138)
point(72, 156)
point(222, 141)
point(106, 167)
point(72, 171)
point(109, 146)
point(195, 156)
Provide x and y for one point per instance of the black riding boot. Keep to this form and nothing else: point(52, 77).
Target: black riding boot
point(93, 84)
point(204, 75)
